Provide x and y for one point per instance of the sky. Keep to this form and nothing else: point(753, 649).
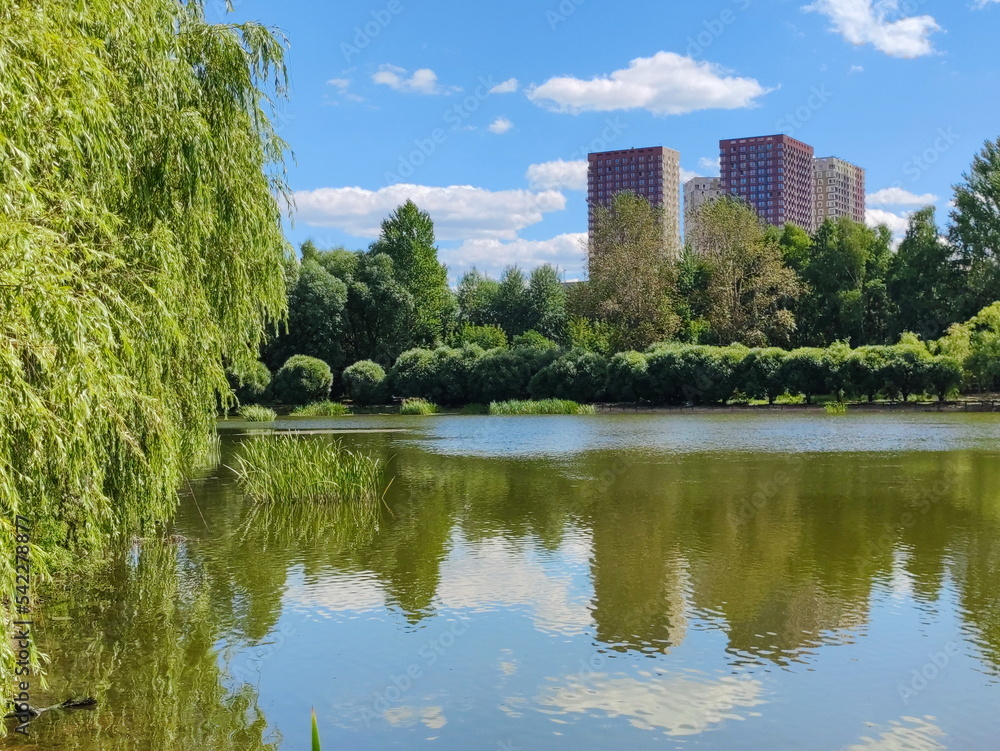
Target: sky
point(483, 112)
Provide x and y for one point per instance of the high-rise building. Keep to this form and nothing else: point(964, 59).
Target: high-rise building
point(653, 173)
point(774, 174)
point(840, 189)
point(698, 190)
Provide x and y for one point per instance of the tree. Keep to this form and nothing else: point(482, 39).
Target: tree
point(315, 317)
point(487, 337)
point(407, 237)
point(380, 313)
point(512, 305)
point(806, 371)
point(141, 254)
point(547, 313)
point(759, 374)
point(365, 382)
point(975, 230)
point(578, 375)
point(302, 380)
point(923, 281)
point(750, 290)
point(632, 280)
point(477, 299)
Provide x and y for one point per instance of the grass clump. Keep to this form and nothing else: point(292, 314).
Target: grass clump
point(322, 409)
point(293, 468)
point(256, 413)
point(418, 407)
point(835, 408)
point(541, 407)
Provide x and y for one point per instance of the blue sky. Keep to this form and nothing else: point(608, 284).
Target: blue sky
point(482, 111)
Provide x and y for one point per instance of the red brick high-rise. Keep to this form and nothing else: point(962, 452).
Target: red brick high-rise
point(774, 174)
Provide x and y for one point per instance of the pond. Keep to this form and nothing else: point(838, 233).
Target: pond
point(677, 581)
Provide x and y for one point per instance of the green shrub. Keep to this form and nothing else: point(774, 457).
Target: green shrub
point(835, 408)
point(944, 376)
point(541, 407)
point(504, 374)
point(759, 373)
point(302, 380)
point(487, 337)
point(628, 377)
point(531, 339)
point(806, 371)
point(418, 407)
point(695, 373)
point(441, 375)
point(250, 385)
point(866, 371)
point(291, 468)
point(322, 409)
point(365, 383)
point(908, 368)
point(578, 375)
point(256, 413)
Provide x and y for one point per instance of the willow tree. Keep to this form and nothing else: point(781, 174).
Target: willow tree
point(141, 253)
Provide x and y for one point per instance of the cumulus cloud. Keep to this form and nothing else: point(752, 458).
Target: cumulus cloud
point(857, 69)
point(687, 174)
point(664, 84)
point(712, 165)
point(868, 22)
point(899, 197)
point(984, 3)
point(558, 174)
point(423, 81)
point(507, 87)
point(339, 83)
point(460, 212)
point(493, 256)
point(500, 126)
point(897, 223)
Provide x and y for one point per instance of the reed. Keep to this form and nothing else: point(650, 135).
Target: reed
point(835, 408)
point(256, 413)
point(541, 407)
point(292, 468)
point(315, 733)
point(322, 409)
point(418, 407)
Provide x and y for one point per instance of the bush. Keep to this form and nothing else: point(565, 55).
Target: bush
point(255, 413)
point(628, 377)
point(501, 374)
point(578, 375)
point(865, 371)
point(302, 380)
point(418, 407)
point(542, 407)
point(806, 371)
point(908, 369)
point(944, 376)
point(533, 340)
point(322, 409)
point(250, 385)
point(693, 373)
point(365, 383)
point(441, 375)
point(487, 337)
point(759, 373)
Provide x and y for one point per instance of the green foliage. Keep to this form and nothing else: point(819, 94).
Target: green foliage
point(807, 371)
point(500, 375)
point(255, 413)
point(542, 407)
point(632, 279)
point(975, 230)
point(141, 251)
point(866, 371)
point(578, 375)
point(547, 303)
point(907, 369)
point(441, 375)
point(487, 337)
point(316, 746)
point(291, 468)
point(697, 374)
point(835, 408)
point(418, 407)
point(365, 383)
point(628, 377)
point(407, 238)
point(477, 295)
point(593, 336)
point(759, 375)
point(533, 340)
point(251, 384)
point(315, 317)
point(474, 409)
point(302, 380)
point(944, 376)
point(322, 409)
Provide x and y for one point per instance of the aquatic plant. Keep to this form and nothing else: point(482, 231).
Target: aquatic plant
point(541, 407)
point(256, 413)
point(835, 408)
point(322, 409)
point(418, 407)
point(292, 467)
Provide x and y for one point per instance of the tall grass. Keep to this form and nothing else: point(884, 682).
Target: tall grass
point(256, 413)
point(315, 733)
point(322, 409)
point(835, 408)
point(542, 407)
point(418, 407)
point(291, 468)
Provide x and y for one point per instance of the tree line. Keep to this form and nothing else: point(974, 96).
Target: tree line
point(739, 283)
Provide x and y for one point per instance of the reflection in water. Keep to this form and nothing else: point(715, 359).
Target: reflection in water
point(715, 586)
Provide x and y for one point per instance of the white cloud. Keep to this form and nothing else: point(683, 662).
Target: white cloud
point(687, 174)
point(984, 3)
point(898, 197)
point(339, 83)
point(714, 166)
point(857, 69)
point(664, 84)
point(423, 81)
point(507, 87)
point(492, 256)
point(868, 22)
point(500, 126)
point(897, 223)
point(906, 734)
point(558, 174)
point(460, 212)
